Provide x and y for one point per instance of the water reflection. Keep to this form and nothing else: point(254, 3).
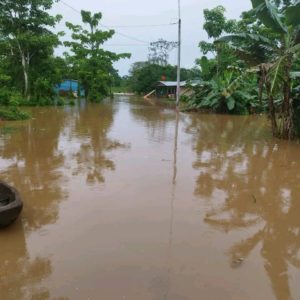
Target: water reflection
point(91, 127)
point(21, 275)
point(37, 160)
point(35, 167)
point(172, 203)
point(157, 119)
point(251, 184)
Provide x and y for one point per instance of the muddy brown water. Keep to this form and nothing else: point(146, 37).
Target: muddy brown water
point(127, 200)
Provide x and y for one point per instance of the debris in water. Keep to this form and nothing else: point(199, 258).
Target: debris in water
point(237, 262)
point(254, 198)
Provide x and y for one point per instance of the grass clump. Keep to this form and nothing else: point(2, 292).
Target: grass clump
point(13, 114)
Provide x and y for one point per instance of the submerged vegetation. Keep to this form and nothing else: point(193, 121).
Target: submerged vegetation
point(254, 65)
point(13, 114)
point(250, 65)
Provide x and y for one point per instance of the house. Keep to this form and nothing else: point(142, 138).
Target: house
point(167, 89)
point(69, 86)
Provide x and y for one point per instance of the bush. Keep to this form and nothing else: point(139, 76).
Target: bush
point(43, 93)
point(13, 114)
point(72, 102)
point(60, 102)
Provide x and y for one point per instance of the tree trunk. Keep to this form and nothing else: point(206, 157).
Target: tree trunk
point(272, 112)
point(260, 87)
point(25, 73)
point(25, 67)
point(287, 106)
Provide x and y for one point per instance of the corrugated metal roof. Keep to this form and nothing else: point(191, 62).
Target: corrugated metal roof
point(170, 83)
point(174, 83)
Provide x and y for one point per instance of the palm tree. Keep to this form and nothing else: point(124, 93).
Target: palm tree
point(273, 55)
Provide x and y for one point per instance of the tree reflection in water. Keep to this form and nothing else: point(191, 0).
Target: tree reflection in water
point(37, 162)
point(91, 127)
point(156, 117)
point(20, 275)
point(259, 180)
point(34, 168)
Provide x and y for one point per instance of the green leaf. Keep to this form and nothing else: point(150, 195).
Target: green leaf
point(268, 15)
point(235, 84)
point(230, 103)
point(293, 14)
point(246, 37)
point(275, 72)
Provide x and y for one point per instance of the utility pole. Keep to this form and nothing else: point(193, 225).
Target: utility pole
point(179, 55)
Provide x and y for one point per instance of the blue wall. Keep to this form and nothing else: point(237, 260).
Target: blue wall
point(69, 85)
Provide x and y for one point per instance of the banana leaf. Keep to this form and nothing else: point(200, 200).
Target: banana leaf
point(293, 14)
point(268, 15)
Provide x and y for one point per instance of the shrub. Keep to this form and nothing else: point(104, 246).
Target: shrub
point(13, 114)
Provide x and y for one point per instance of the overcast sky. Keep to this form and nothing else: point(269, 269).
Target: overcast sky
point(145, 12)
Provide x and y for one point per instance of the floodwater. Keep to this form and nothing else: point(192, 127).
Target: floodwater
point(128, 200)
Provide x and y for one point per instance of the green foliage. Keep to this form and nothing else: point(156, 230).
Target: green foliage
point(92, 64)
point(268, 14)
point(216, 25)
point(60, 102)
point(228, 93)
point(43, 91)
point(144, 76)
point(26, 41)
point(72, 102)
point(12, 114)
point(215, 21)
point(292, 15)
point(271, 40)
point(208, 67)
point(9, 97)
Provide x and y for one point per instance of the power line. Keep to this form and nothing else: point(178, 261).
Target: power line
point(107, 27)
point(68, 5)
point(125, 35)
point(143, 26)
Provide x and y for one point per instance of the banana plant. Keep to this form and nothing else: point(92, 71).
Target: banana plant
point(228, 93)
point(273, 58)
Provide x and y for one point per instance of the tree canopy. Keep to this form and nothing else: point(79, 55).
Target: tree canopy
point(93, 64)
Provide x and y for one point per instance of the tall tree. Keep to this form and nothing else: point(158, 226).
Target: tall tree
point(159, 51)
point(93, 64)
point(215, 24)
point(25, 34)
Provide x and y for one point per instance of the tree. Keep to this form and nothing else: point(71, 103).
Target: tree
point(93, 64)
point(144, 75)
point(25, 34)
point(159, 52)
point(215, 25)
point(280, 53)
